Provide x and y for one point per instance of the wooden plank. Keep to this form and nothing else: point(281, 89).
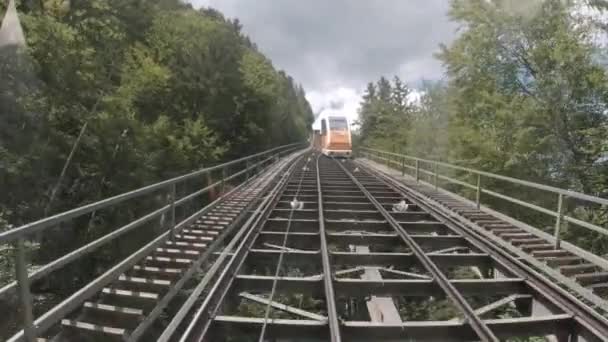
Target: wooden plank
point(127, 293)
point(113, 309)
point(381, 309)
point(93, 327)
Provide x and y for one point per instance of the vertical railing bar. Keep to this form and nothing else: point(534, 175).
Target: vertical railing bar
point(435, 176)
point(478, 194)
point(402, 166)
point(558, 219)
point(417, 171)
point(223, 184)
point(24, 291)
point(172, 194)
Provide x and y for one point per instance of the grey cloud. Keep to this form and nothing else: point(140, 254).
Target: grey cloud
point(336, 104)
point(330, 43)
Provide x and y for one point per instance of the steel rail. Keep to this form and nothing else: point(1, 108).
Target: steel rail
point(568, 193)
point(583, 292)
point(47, 222)
point(231, 269)
point(245, 238)
point(164, 302)
point(562, 193)
point(280, 262)
point(482, 330)
point(23, 278)
point(191, 300)
point(96, 244)
point(330, 297)
point(593, 322)
point(51, 317)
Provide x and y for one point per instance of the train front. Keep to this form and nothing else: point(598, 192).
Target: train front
point(337, 142)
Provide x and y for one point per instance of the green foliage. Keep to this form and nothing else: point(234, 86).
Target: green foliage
point(385, 114)
point(6, 269)
point(163, 89)
point(524, 97)
point(526, 94)
point(426, 309)
point(259, 77)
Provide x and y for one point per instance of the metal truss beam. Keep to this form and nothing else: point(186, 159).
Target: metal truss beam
point(397, 287)
point(419, 331)
point(482, 330)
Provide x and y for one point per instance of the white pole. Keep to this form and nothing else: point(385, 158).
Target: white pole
point(11, 32)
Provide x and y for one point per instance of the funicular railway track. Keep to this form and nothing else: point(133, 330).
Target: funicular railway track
point(125, 302)
point(348, 265)
point(127, 307)
point(333, 250)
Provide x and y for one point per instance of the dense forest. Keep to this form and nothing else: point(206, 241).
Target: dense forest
point(141, 90)
point(525, 95)
point(148, 89)
point(162, 89)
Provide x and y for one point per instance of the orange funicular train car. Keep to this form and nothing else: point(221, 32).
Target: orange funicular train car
point(331, 135)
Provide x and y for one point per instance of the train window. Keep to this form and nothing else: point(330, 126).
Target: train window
point(338, 124)
point(323, 127)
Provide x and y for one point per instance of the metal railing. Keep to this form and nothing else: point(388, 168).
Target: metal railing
point(418, 167)
point(246, 166)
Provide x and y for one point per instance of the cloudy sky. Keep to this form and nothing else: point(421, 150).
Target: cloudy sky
point(335, 47)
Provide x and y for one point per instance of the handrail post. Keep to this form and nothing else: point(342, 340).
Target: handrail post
point(435, 177)
point(558, 220)
point(417, 171)
point(223, 181)
point(172, 194)
point(402, 166)
point(24, 292)
point(478, 194)
point(247, 168)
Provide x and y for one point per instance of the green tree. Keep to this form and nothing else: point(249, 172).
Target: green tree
point(162, 89)
point(525, 96)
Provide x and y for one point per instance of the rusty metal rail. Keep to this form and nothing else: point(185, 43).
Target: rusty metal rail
point(583, 324)
point(374, 267)
point(169, 243)
point(436, 170)
point(589, 325)
point(578, 270)
point(482, 330)
point(337, 250)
